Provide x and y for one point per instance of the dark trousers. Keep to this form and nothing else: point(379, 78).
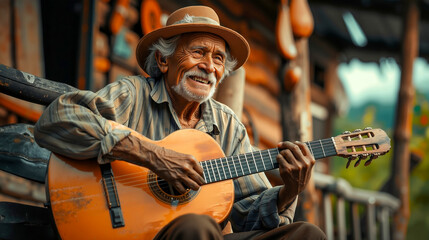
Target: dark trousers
point(202, 227)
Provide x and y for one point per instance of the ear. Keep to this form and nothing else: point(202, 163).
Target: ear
point(162, 62)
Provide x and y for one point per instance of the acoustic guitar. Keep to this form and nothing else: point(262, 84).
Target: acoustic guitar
point(124, 201)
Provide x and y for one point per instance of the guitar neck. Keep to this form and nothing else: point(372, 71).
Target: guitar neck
point(220, 169)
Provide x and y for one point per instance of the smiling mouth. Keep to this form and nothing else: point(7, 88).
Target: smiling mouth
point(199, 79)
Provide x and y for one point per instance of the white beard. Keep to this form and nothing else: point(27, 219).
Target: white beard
point(183, 90)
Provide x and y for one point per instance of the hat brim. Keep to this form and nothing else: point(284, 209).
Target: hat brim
point(238, 45)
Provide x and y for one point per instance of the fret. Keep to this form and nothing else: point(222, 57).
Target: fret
point(271, 159)
point(334, 148)
point(208, 172)
point(323, 150)
point(227, 164)
point(218, 170)
point(241, 165)
point(223, 169)
point(263, 162)
point(311, 149)
point(333, 144)
point(214, 175)
point(204, 171)
point(276, 165)
point(254, 160)
point(247, 163)
point(233, 162)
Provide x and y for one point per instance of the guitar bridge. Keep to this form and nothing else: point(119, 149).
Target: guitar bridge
point(112, 196)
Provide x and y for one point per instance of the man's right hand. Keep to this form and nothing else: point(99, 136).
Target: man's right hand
point(181, 170)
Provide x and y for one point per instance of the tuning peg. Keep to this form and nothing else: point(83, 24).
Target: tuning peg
point(348, 163)
point(368, 128)
point(352, 157)
point(358, 162)
point(357, 130)
point(360, 158)
point(369, 161)
point(346, 132)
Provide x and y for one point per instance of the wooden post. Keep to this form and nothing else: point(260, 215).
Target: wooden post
point(403, 124)
point(231, 91)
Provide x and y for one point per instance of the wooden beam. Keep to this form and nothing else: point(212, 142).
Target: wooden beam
point(404, 113)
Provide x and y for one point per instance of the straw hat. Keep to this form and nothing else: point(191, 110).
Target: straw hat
point(205, 19)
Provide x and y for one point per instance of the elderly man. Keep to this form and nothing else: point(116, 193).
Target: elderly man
point(186, 60)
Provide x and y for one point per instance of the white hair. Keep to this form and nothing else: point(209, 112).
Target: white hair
point(166, 48)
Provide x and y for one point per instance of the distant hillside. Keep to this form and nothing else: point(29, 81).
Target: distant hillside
point(383, 115)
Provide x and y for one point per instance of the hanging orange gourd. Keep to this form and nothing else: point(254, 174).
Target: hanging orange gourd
point(292, 77)
point(284, 36)
point(150, 15)
point(301, 18)
point(118, 15)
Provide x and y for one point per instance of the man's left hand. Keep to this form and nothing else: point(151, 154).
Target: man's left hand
point(295, 166)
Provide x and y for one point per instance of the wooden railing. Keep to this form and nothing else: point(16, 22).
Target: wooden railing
point(352, 213)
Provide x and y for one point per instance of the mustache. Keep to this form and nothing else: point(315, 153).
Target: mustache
point(209, 76)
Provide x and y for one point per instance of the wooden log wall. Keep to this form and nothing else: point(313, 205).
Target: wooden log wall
point(20, 47)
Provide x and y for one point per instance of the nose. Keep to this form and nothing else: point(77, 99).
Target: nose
point(207, 64)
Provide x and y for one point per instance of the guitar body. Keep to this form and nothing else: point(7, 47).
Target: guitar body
point(80, 207)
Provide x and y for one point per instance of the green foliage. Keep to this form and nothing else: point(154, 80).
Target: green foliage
point(419, 191)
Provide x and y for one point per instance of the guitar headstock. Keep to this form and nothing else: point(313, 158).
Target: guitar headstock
point(365, 144)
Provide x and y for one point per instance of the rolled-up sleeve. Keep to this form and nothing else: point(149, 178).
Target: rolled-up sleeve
point(76, 123)
point(259, 211)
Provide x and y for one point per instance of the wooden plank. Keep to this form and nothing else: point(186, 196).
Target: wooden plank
point(6, 34)
point(269, 131)
point(28, 37)
point(257, 74)
point(262, 100)
point(270, 60)
point(27, 110)
point(29, 53)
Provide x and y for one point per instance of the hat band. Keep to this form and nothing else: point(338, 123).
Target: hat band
point(195, 19)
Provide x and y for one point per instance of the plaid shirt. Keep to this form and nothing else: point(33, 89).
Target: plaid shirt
point(76, 125)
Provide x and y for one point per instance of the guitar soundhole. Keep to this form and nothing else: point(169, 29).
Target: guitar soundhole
point(167, 193)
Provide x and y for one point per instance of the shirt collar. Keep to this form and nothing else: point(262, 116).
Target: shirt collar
point(208, 120)
point(159, 92)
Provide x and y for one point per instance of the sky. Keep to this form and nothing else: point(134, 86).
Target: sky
point(379, 82)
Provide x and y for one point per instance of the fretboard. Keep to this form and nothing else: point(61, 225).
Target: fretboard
point(220, 169)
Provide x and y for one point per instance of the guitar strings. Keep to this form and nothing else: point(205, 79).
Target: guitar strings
point(236, 160)
point(130, 180)
point(210, 168)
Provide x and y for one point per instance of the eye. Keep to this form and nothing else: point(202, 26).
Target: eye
point(219, 59)
point(197, 53)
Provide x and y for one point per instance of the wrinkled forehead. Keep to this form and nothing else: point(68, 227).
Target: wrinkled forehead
point(204, 40)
